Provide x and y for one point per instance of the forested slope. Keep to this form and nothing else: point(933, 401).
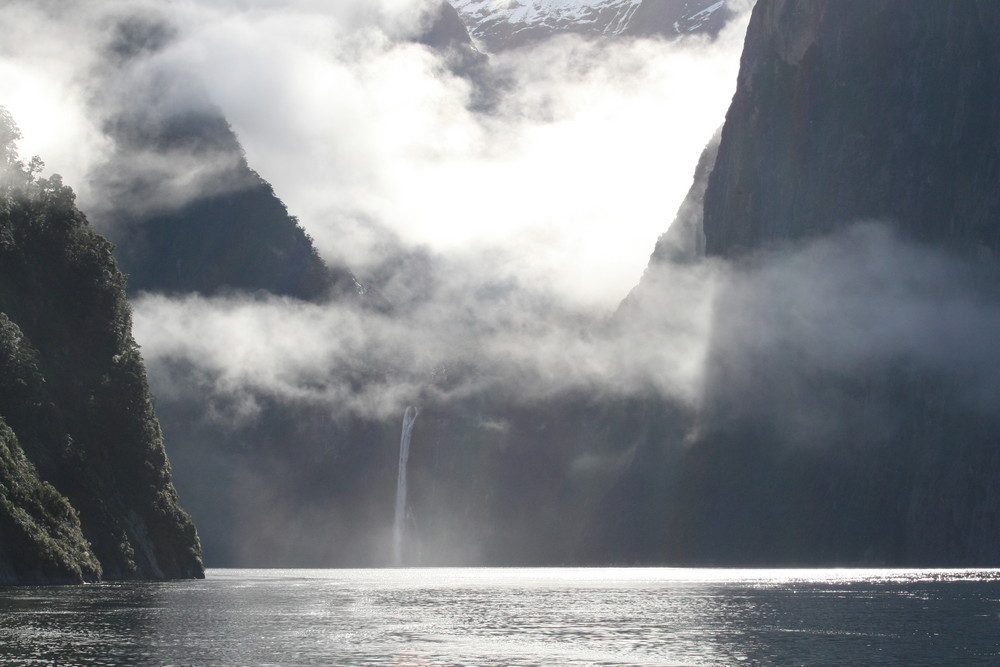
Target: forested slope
point(82, 449)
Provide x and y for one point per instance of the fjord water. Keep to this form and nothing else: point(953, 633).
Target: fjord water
point(513, 616)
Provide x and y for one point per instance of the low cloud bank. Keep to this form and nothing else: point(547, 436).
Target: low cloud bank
point(775, 327)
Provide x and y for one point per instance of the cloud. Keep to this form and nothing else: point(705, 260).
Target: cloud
point(567, 182)
point(467, 339)
point(785, 337)
point(847, 339)
point(373, 142)
point(838, 342)
point(502, 235)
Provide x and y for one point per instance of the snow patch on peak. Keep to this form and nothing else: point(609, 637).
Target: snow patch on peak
point(486, 16)
point(698, 19)
point(500, 24)
point(571, 11)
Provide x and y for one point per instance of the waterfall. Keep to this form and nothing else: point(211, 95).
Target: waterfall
point(399, 525)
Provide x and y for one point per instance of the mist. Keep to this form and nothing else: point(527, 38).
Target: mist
point(795, 331)
point(503, 236)
point(496, 239)
point(374, 144)
point(495, 234)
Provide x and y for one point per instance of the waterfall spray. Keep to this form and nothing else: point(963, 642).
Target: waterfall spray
point(399, 525)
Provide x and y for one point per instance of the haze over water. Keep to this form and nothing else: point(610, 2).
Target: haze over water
point(514, 616)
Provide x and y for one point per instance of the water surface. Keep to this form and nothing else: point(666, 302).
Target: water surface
point(514, 616)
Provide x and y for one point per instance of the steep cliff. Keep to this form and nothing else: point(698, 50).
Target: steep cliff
point(848, 413)
point(855, 110)
point(80, 447)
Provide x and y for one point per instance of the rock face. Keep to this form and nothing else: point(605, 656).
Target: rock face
point(861, 110)
point(848, 414)
point(502, 25)
point(85, 485)
point(446, 34)
point(671, 19)
point(183, 207)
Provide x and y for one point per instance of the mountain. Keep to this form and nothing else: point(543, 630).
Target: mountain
point(239, 239)
point(85, 486)
point(224, 231)
point(848, 413)
point(844, 221)
point(183, 207)
point(851, 130)
point(446, 33)
point(500, 25)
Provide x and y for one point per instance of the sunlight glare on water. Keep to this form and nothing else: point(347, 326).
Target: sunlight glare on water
point(514, 616)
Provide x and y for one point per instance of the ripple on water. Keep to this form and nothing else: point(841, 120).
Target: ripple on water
point(513, 617)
